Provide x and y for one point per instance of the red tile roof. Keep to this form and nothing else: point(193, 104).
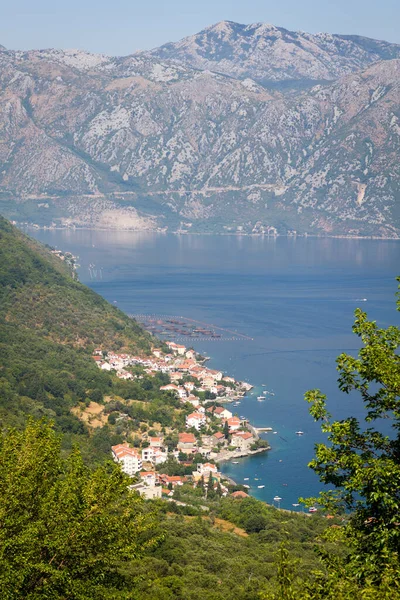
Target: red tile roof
point(187, 438)
point(239, 494)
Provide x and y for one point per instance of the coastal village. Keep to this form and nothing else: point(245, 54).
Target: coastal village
point(211, 432)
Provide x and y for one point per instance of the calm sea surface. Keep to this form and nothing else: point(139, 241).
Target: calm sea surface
point(294, 297)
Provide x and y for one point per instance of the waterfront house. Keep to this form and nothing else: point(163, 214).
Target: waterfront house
point(242, 440)
point(234, 423)
point(216, 375)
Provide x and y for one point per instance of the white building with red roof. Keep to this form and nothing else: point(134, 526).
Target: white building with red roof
point(129, 458)
point(196, 420)
point(234, 423)
point(242, 440)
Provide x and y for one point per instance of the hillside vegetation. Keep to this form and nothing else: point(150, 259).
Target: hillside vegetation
point(49, 326)
point(69, 527)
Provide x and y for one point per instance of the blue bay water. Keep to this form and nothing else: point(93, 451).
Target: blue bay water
point(294, 297)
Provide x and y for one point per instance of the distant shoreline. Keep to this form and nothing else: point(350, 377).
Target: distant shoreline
point(222, 233)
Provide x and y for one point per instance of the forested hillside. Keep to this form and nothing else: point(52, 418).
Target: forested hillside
point(49, 326)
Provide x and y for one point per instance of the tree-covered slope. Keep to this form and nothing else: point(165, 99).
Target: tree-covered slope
point(49, 325)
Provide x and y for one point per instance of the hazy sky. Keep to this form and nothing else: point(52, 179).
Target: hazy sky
point(119, 27)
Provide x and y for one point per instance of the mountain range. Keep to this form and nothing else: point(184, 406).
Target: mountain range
point(249, 129)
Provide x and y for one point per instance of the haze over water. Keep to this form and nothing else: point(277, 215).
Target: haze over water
point(294, 297)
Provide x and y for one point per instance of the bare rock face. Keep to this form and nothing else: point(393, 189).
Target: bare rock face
point(162, 140)
point(268, 54)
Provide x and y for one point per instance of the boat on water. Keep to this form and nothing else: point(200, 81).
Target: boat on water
point(246, 479)
point(312, 509)
point(299, 432)
point(235, 462)
point(261, 486)
point(295, 504)
point(260, 398)
point(277, 498)
point(274, 432)
point(246, 486)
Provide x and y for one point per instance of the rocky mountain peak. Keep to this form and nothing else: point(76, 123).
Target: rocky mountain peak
point(271, 54)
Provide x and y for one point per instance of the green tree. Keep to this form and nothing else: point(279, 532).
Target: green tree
point(360, 461)
point(226, 431)
point(65, 531)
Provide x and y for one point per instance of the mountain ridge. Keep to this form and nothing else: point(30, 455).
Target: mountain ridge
point(262, 51)
point(143, 142)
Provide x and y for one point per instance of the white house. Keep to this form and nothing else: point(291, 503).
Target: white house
point(160, 456)
point(196, 420)
point(129, 458)
point(105, 366)
point(148, 454)
point(206, 469)
point(242, 440)
point(148, 477)
point(222, 413)
point(125, 375)
point(234, 423)
point(156, 442)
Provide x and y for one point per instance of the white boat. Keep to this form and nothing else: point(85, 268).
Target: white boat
point(246, 486)
point(295, 504)
point(312, 509)
point(274, 432)
point(246, 479)
point(277, 498)
point(261, 486)
point(235, 462)
point(299, 432)
point(260, 398)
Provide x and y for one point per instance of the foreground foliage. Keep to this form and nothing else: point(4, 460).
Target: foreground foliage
point(65, 531)
point(362, 459)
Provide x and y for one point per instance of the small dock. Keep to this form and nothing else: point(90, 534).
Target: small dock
point(260, 429)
